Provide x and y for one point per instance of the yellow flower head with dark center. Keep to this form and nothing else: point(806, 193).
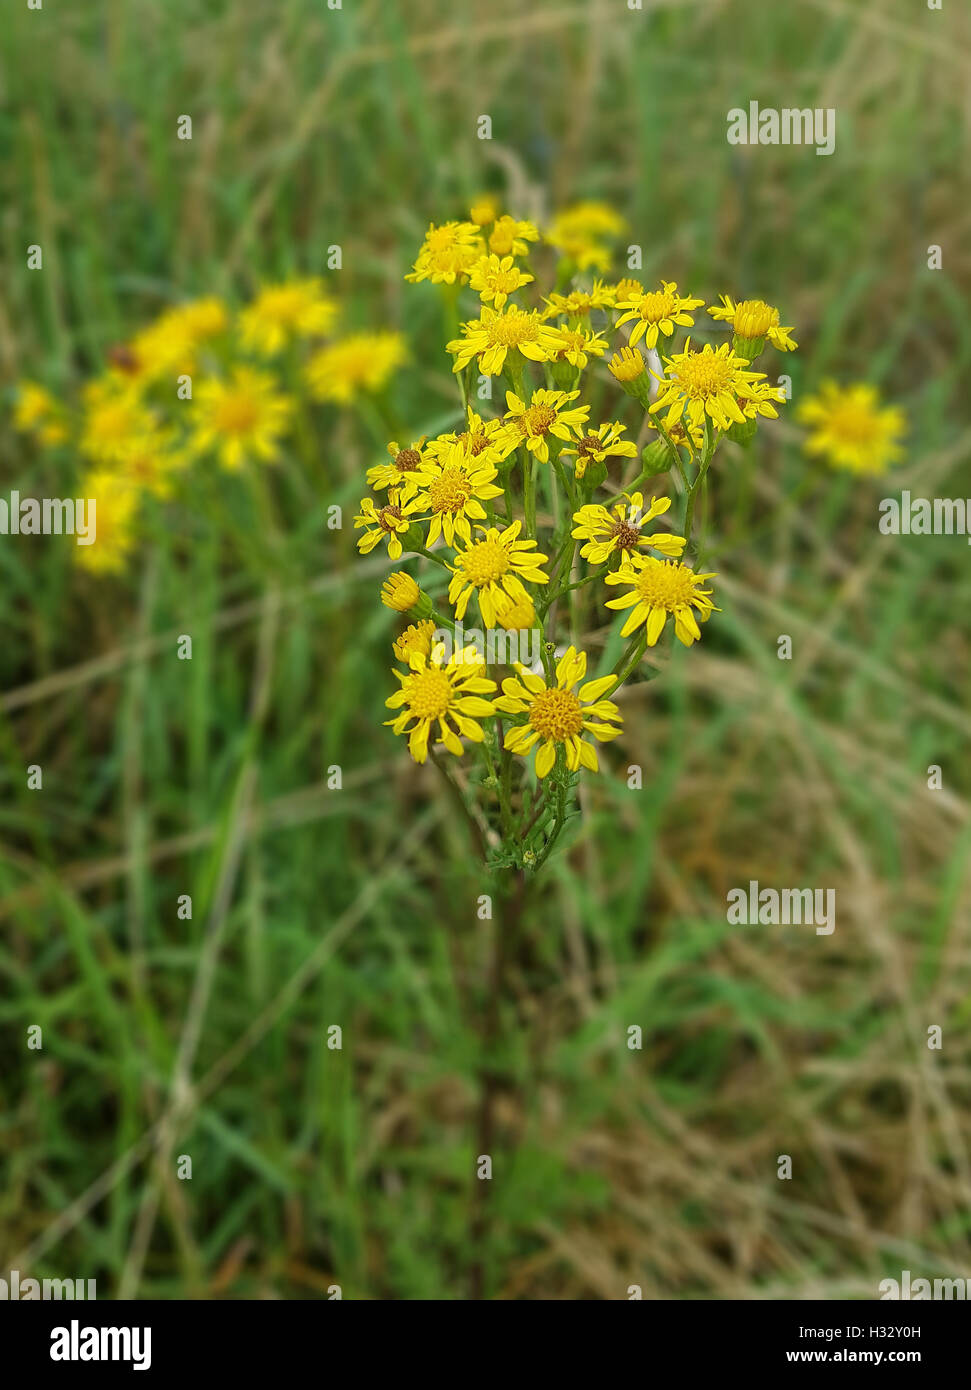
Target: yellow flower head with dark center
point(851, 429)
point(37, 412)
point(620, 529)
point(661, 589)
point(447, 254)
point(559, 715)
point(545, 415)
point(657, 311)
point(240, 418)
point(400, 592)
point(115, 512)
point(281, 313)
point(712, 382)
point(509, 237)
point(401, 473)
point(627, 365)
point(113, 415)
point(417, 638)
point(493, 335)
point(359, 363)
point(579, 304)
point(595, 445)
point(485, 210)
point(494, 279)
point(493, 567)
point(452, 488)
point(752, 319)
point(387, 523)
point(169, 347)
point(481, 437)
point(445, 694)
point(577, 346)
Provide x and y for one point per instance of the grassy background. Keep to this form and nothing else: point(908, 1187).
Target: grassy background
point(315, 907)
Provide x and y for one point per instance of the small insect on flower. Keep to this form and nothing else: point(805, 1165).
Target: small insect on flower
point(447, 254)
point(545, 415)
point(388, 523)
point(557, 716)
point(661, 589)
point(495, 279)
point(620, 530)
point(493, 335)
point(402, 472)
point(240, 418)
point(452, 487)
point(658, 311)
point(712, 382)
point(593, 446)
point(449, 693)
point(353, 365)
point(851, 429)
point(494, 568)
point(282, 313)
point(752, 322)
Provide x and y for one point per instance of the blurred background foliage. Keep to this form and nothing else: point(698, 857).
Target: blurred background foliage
point(314, 907)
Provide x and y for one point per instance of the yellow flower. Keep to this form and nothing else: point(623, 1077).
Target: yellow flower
point(151, 461)
point(579, 303)
point(169, 347)
point(281, 313)
point(494, 280)
point(481, 435)
point(447, 254)
point(628, 288)
point(752, 322)
point(38, 413)
point(850, 428)
point(559, 715)
point(115, 506)
point(661, 589)
point(509, 237)
point(240, 418)
point(657, 311)
point(401, 473)
point(492, 336)
point(449, 693)
point(493, 568)
point(400, 592)
point(577, 233)
point(627, 365)
point(452, 487)
point(713, 382)
point(113, 415)
point(544, 416)
point(599, 444)
point(620, 530)
point(577, 346)
point(388, 523)
point(417, 638)
point(484, 210)
point(360, 362)
point(516, 614)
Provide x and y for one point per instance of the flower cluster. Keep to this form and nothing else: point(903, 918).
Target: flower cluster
point(541, 510)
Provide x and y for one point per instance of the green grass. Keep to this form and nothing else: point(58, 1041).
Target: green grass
point(314, 907)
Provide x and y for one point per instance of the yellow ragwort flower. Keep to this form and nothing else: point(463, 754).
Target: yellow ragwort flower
point(401, 473)
point(491, 336)
point(115, 507)
point(452, 487)
point(578, 232)
point(485, 210)
point(447, 254)
point(400, 592)
point(657, 311)
point(579, 304)
point(509, 237)
point(627, 365)
point(495, 279)
point(545, 415)
point(712, 382)
point(492, 568)
point(241, 417)
point(417, 638)
point(169, 346)
point(851, 429)
point(557, 716)
point(449, 693)
point(388, 523)
point(152, 461)
point(516, 614)
point(360, 362)
point(752, 322)
point(661, 589)
point(479, 436)
point(577, 346)
point(281, 313)
point(620, 530)
point(113, 415)
point(593, 446)
point(37, 412)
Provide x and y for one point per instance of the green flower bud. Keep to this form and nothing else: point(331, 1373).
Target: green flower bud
point(656, 457)
point(749, 348)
